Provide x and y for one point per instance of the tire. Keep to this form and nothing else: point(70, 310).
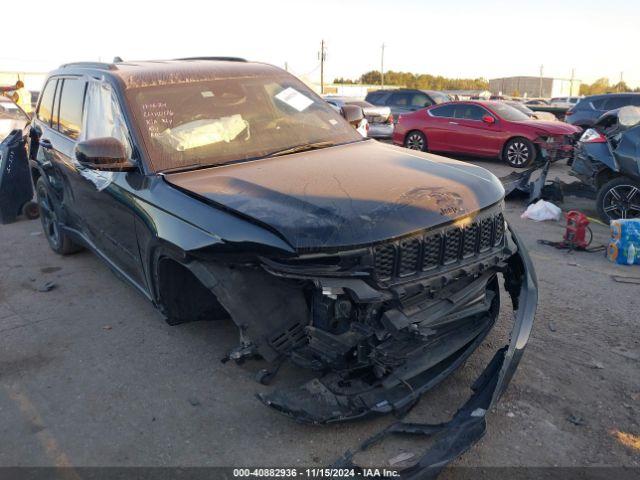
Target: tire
point(58, 240)
point(31, 210)
point(519, 153)
point(618, 198)
point(416, 140)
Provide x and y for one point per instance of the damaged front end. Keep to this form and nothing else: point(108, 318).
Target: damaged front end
point(380, 325)
point(557, 147)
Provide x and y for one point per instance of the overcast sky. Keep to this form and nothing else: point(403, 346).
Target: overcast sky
point(455, 38)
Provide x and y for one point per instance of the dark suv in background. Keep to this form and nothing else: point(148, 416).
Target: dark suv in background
point(589, 109)
point(406, 100)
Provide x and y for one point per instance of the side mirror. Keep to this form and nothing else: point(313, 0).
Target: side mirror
point(488, 119)
point(352, 114)
point(105, 153)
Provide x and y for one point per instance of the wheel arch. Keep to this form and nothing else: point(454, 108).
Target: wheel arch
point(180, 291)
point(604, 176)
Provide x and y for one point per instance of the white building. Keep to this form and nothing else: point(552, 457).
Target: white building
point(544, 87)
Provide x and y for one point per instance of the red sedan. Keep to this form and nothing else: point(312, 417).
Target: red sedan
point(485, 129)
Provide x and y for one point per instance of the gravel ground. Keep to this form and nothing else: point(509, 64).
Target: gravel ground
point(90, 375)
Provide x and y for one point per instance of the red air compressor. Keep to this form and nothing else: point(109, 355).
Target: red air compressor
point(575, 236)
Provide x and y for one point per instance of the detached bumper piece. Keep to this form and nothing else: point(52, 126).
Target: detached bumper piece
point(520, 182)
point(427, 342)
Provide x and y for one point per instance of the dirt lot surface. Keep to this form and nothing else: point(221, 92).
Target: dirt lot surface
point(90, 375)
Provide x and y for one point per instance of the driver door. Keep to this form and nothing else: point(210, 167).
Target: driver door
point(106, 197)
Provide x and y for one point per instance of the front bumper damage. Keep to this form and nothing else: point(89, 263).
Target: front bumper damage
point(559, 147)
point(377, 347)
point(468, 425)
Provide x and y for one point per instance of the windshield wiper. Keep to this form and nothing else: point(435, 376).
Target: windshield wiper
point(301, 148)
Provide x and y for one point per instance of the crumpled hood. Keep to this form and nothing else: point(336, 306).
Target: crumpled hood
point(553, 128)
point(348, 195)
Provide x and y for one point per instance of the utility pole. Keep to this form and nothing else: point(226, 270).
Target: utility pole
point(541, 70)
point(382, 68)
point(323, 56)
point(573, 74)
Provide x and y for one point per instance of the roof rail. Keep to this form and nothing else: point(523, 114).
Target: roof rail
point(221, 59)
point(97, 65)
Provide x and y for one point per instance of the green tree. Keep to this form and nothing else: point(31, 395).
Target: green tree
point(601, 85)
point(424, 81)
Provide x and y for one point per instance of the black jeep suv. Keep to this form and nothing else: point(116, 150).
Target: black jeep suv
point(224, 188)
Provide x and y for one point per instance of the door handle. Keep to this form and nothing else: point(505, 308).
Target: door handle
point(46, 143)
point(453, 123)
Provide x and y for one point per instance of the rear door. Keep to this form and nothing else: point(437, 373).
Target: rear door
point(45, 148)
point(57, 144)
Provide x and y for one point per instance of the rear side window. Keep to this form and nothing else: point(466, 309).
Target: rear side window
point(443, 111)
point(617, 102)
point(635, 100)
point(46, 103)
point(598, 103)
point(71, 104)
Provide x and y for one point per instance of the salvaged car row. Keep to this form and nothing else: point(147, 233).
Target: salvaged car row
point(523, 138)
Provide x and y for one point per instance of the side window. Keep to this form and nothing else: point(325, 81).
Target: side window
point(598, 103)
point(469, 112)
point(420, 100)
point(400, 99)
point(635, 100)
point(443, 111)
point(45, 108)
point(71, 104)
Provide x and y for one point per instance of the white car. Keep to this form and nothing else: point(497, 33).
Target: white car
point(564, 102)
point(11, 117)
point(379, 119)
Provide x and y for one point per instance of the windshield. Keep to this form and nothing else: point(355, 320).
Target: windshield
point(187, 125)
point(507, 112)
point(521, 108)
point(440, 97)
